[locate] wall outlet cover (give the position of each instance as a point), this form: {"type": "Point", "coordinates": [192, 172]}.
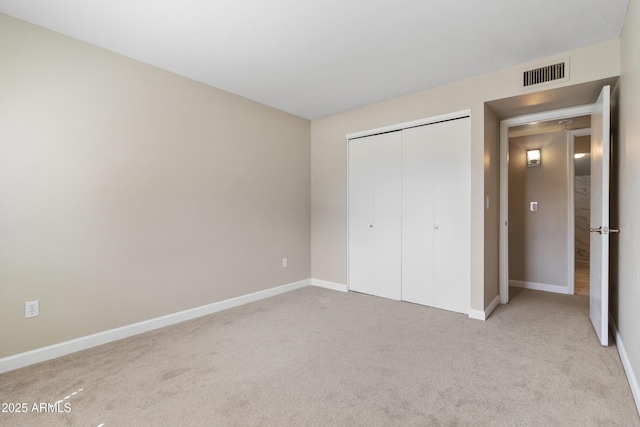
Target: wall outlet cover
{"type": "Point", "coordinates": [31, 309]}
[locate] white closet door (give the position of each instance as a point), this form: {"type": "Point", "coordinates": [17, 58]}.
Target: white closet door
{"type": "Point", "coordinates": [360, 214]}
{"type": "Point", "coordinates": [375, 215]}
{"type": "Point", "coordinates": [417, 215]}
{"type": "Point", "coordinates": [452, 146]}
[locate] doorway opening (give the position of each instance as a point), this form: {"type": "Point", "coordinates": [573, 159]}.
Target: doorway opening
{"type": "Point", "coordinates": [601, 137]}
{"type": "Point", "coordinates": [537, 271]}
{"type": "Point", "coordinates": [581, 141]}
{"type": "Point", "coordinates": [549, 205]}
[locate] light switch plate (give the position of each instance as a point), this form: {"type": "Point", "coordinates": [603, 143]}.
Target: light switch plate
{"type": "Point", "coordinates": [533, 206]}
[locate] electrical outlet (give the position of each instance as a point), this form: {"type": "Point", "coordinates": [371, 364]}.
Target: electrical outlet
{"type": "Point", "coordinates": [284, 263]}
{"type": "Point", "coordinates": [31, 309]}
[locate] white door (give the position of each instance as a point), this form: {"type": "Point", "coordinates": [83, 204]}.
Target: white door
{"type": "Point", "coordinates": [417, 215]}
{"type": "Point", "coordinates": [435, 215]}
{"type": "Point", "coordinates": [452, 218]}
{"type": "Point", "coordinates": [375, 215]}
{"type": "Point", "coordinates": [599, 258]}
{"type": "Point", "coordinates": [360, 214]}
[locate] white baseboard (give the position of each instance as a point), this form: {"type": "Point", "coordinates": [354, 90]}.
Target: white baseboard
{"type": "Point", "coordinates": [626, 363]}
{"type": "Point", "coordinates": [67, 347]}
{"type": "Point", "coordinates": [477, 314]}
{"type": "Point", "coordinates": [329, 285]}
{"type": "Point", "coordinates": [540, 286]}
{"type": "Point", "coordinates": [484, 315]}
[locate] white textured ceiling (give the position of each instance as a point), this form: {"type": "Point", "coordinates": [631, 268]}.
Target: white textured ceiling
{"type": "Point", "coordinates": [313, 58]}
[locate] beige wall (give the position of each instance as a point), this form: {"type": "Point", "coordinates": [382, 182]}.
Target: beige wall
{"type": "Point", "coordinates": [627, 289]}
{"type": "Point", "coordinates": [539, 241]}
{"type": "Point", "coordinates": [492, 205]}
{"type": "Point", "coordinates": [582, 144]}
{"type": "Point", "coordinates": [128, 192]}
{"type": "Point", "coordinates": [329, 165]}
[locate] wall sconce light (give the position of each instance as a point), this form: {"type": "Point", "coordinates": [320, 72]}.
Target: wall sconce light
{"type": "Point", "coordinates": [533, 158]}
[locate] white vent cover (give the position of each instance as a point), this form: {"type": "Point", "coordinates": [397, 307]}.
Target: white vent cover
{"type": "Point", "coordinates": [548, 74]}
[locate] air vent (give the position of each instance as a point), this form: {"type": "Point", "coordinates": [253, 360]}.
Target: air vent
{"type": "Point", "coordinates": [544, 74]}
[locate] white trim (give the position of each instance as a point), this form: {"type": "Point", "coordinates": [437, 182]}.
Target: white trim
{"type": "Point", "coordinates": [329, 285]}
{"type": "Point", "coordinates": [484, 315]}
{"type": "Point", "coordinates": [421, 122]}
{"type": "Point", "coordinates": [571, 220]}
{"type": "Point", "coordinates": [539, 286]}
{"type": "Point", "coordinates": [347, 243]}
{"type": "Point", "coordinates": [67, 347]}
{"type": "Point", "coordinates": [492, 306]}
{"type": "Point", "coordinates": [580, 132]}
{"type": "Point", "coordinates": [504, 180]}
{"type": "Point", "coordinates": [503, 258]}
{"type": "Point", "coordinates": [626, 363]}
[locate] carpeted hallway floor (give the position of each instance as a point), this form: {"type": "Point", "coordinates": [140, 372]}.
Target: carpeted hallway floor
{"type": "Point", "coordinates": [315, 357]}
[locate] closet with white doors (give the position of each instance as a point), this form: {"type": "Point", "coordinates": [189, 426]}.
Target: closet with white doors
{"type": "Point", "coordinates": [409, 212]}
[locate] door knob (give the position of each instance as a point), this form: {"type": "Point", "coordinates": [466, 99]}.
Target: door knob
{"type": "Point", "coordinates": [596, 230]}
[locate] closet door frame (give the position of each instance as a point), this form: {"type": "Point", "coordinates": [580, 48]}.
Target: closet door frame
{"type": "Point", "coordinates": [406, 125]}
{"type": "Point", "coordinates": [397, 127]}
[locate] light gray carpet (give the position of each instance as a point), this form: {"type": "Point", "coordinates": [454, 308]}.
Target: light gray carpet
{"type": "Point", "coordinates": [315, 357]}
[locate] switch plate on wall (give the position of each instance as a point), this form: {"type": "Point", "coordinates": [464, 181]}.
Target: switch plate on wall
{"type": "Point", "coordinates": [533, 206]}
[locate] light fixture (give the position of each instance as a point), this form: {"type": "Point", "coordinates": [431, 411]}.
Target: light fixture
{"type": "Point", "coordinates": [579, 155]}
{"type": "Point", "coordinates": [565, 123]}
{"type": "Point", "coordinates": [533, 158]}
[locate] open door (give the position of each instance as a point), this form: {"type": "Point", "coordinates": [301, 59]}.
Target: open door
{"type": "Point", "coordinates": [599, 257]}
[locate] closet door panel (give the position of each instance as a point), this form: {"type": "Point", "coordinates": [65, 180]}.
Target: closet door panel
{"type": "Point", "coordinates": [387, 177]}
{"type": "Point", "coordinates": [360, 214]}
{"type": "Point", "coordinates": [409, 215]}
{"type": "Point", "coordinates": [451, 214]}
{"type": "Point", "coordinates": [417, 215]}
{"type": "Point", "coordinates": [375, 215]}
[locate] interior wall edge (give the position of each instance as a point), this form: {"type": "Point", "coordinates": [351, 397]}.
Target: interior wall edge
{"type": "Point", "coordinates": [340, 287]}
{"type": "Point", "coordinates": [626, 363]}
{"type": "Point", "coordinates": [484, 314]}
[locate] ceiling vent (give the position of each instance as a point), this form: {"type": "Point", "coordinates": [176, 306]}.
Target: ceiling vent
{"type": "Point", "coordinates": [547, 74]}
